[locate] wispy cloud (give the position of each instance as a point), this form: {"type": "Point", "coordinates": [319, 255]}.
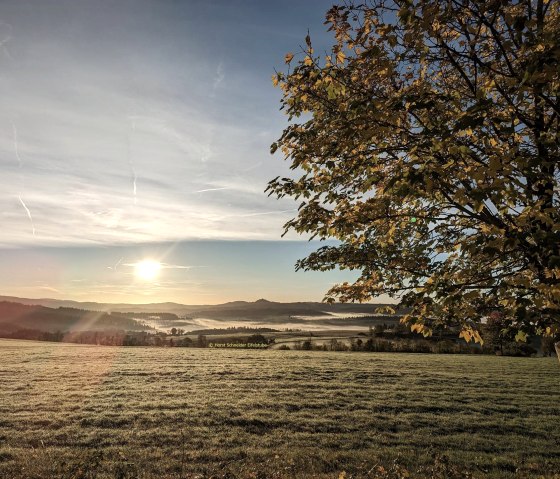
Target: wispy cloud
{"type": "Point", "coordinates": [130, 158]}
{"type": "Point", "coordinates": [16, 145]}
{"type": "Point", "coordinates": [50, 288]}
{"type": "Point", "coordinates": [162, 265]}
{"type": "Point", "coordinates": [178, 266]}
{"type": "Point", "coordinates": [5, 37]}
{"type": "Point", "coordinates": [123, 145]}
{"type": "Point", "coordinates": [218, 78]}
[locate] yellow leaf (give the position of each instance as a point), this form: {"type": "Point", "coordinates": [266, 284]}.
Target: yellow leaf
{"type": "Point", "coordinates": [308, 61]}
{"type": "Point", "coordinates": [521, 337]}
{"type": "Point", "coordinates": [477, 337]}
{"type": "Point", "coordinates": [466, 335]}
{"type": "Point", "coordinates": [417, 328]}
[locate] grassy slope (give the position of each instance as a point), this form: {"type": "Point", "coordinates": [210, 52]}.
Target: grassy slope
{"type": "Point", "coordinates": [153, 412]}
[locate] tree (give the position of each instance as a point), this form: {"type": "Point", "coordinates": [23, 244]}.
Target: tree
{"type": "Point", "coordinates": [547, 345]}
{"type": "Point", "coordinates": [257, 339]}
{"type": "Point", "coordinates": [201, 341]}
{"type": "Point", "coordinates": [378, 331]}
{"type": "Point", "coordinates": [426, 144]}
{"type": "Point", "coordinates": [496, 334]}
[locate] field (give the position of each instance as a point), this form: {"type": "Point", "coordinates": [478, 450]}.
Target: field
{"type": "Point", "coordinates": [85, 411]}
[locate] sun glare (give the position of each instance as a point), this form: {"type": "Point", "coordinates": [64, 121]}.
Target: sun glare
{"type": "Point", "coordinates": [147, 269]}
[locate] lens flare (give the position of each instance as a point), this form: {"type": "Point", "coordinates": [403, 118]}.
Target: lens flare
{"type": "Point", "coordinates": [147, 269]}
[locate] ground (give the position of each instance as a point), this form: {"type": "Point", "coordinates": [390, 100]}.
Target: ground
{"type": "Point", "coordinates": [87, 411]}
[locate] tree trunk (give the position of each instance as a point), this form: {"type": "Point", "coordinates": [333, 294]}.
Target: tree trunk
{"type": "Point", "coordinates": [557, 347]}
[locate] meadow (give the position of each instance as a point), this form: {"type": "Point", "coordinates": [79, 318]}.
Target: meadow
{"type": "Point", "coordinates": [78, 411]}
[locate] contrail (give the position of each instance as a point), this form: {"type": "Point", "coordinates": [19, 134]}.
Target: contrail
{"type": "Point", "coordinates": [218, 79]}
{"type": "Point", "coordinates": [6, 39]}
{"type": "Point", "coordinates": [253, 167]}
{"type": "Point", "coordinates": [114, 268]}
{"type": "Point", "coordinates": [266, 213]}
{"type": "Point", "coordinates": [213, 189]}
{"type": "Point", "coordinates": [28, 214]}
{"type": "Point", "coordinates": [16, 149]}
{"type": "Point", "coordinates": [16, 144]}
{"type": "Point", "coordinates": [262, 213]}
{"type": "Point", "coordinates": [132, 170]}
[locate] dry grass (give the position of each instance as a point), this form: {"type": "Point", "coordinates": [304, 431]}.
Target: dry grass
{"type": "Point", "coordinates": [85, 411]}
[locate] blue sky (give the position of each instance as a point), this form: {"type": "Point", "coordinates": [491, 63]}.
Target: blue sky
{"type": "Point", "coordinates": [127, 127]}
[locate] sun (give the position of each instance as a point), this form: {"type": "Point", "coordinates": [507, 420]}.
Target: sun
{"type": "Point", "coordinates": [147, 269]}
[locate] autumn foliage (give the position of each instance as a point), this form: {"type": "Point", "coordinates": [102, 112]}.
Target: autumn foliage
{"type": "Point", "coordinates": [426, 142]}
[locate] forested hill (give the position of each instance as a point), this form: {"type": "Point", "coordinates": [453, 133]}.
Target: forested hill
{"type": "Point", "coordinates": [247, 309]}
{"type": "Point", "coordinates": [267, 309]}
{"type": "Point", "coordinates": [16, 316]}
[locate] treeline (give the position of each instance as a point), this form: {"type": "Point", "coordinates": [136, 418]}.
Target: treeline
{"type": "Point", "coordinates": [401, 345]}
{"type": "Point", "coordinates": [400, 340]}
{"type": "Point", "coordinates": [376, 341]}
{"type": "Point", "coordinates": [160, 316]}
{"type": "Point", "coordinates": [128, 338]}
{"type": "Point", "coordinates": [380, 339]}
{"type": "Point", "coordinates": [372, 317]}
{"type": "Point", "coordinates": [380, 345]}
{"type": "Point", "coordinates": [234, 329]}
{"type": "Point", "coordinates": [104, 338]}
{"type": "Point", "coordinates": [101, 338]}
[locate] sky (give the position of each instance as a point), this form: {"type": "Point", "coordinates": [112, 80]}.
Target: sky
{"type": "Point", "coordinates": [141, 129]}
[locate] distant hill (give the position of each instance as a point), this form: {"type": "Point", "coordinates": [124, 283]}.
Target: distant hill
{"type": "Point", "coordinates": [17, 316]}
{"type": "Point", "coordinates": [236, 309]}
{"type": "Point", "coordinates": [269, 309]}
{"type": "Point", "coordinates": [173, 308]}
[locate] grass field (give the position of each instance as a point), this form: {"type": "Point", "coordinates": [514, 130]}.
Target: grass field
{"type": "Point", "coordinates": [86, 411]}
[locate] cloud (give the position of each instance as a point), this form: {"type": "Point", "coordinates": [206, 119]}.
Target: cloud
{"type": "Point", "coordinates": [5, 38]}
{"type": "Point", "coordinates": [163, 265]}
{"type": "Point", "coordinates": [178, 266]}
{"type": "Point", "coordinates": [50, 288]}
{"type": "Point", "coordinates": [90, 200]}
{"type": "Point", "coordinates": [117, 138]}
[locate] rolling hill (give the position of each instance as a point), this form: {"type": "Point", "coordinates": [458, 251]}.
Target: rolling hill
{"type": "Point", "coordinates": [17, 316]}
{"type": "Point", "coordinates": [235, 309]}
